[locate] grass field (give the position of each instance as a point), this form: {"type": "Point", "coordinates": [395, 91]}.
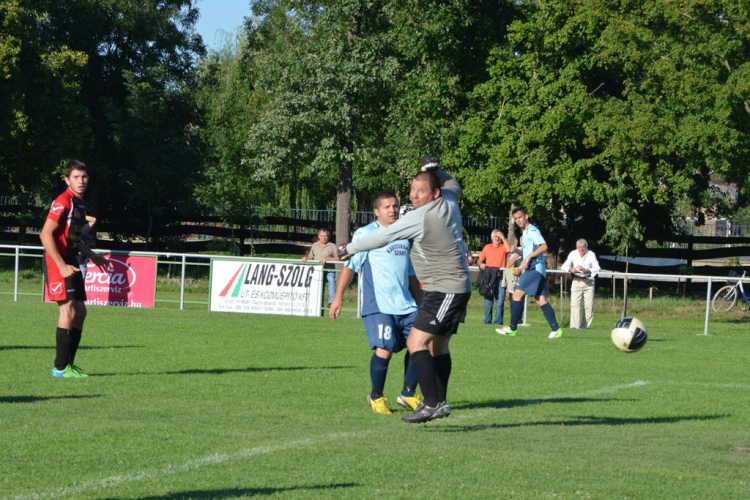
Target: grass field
{"type": "Point", "coordinates": [191, 404]}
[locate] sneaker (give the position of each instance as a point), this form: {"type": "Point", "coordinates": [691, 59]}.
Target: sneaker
{"type": "Point", "coordinates": [411, 402]}
{"type": "Point", "coordinates": [379, 406]}
{"type": "Point", "coordinates": [423, 414]}
{"type": "Point", "coordinates": [78, 370]}
{"type": "Point", "coordinates": [443, 410]}
{"type": "Point", "coordinates": [556, 334]}
{"type": "Point", "coordinates": [68, 372]}
{"type": "Point", "coordinates": [506, 331]}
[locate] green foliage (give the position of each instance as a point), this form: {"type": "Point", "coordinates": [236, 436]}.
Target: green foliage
{"type": "Point", "coordinates": [587, 94]}
{"type": "Point", "coordinates": [41, 117]}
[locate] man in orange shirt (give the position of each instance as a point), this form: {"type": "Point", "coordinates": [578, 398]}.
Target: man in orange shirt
{"type": "Point", "coordinates": [492, 258]}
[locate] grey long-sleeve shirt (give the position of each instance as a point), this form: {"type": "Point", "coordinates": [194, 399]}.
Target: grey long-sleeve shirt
{"type": "Point", "coordinates": [435, 230]}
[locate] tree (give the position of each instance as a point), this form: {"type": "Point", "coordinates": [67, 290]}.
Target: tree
{"type": "Point", "coordinates": [585, 88]}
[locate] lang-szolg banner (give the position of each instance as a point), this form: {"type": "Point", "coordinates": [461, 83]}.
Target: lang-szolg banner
{"type": "Point", "coordinates": [265, 288]}
{"type": "Point", "coordinates": [131, 283]}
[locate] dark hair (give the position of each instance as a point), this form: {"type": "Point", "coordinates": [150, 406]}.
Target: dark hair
{"type": "Point", "coordinates": [519, 208]}
{"type": "Point", "coordinates": [431, 178]}
{"type": "Point", "coordinates": [383, 195]}
{"type": "Point", "coordinates": [326, 230]}
{"type": "Point", "coordinates": [74, 165]}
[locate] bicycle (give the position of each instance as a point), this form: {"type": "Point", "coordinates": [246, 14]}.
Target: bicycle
{"type": "Point", "coordinates": [726, 297]}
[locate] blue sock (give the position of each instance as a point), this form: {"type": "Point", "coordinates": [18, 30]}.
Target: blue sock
{"type": "Point", "coordinates": [516, 311]}
{"type": "Point", "coordinates": [378, 372]}
{"type": "Point", "coordinates": [410, 377]}
{"type": "Point", "coordinates": [549, 315]}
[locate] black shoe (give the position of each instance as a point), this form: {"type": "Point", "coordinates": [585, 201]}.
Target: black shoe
{"type": "Point", "coordinates": [423, 414]}
{"type": "Point", "coordinates": [442, 410]}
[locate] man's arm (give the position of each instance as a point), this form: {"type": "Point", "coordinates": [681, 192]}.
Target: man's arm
{"type": "Point", "coordinates": [536, 253]}
{"type": "Point", "coordinates": [96, 258]}
{"type": "Point", "coordinates": [448, 183]}
{"type": "Point", "coordinates": [596, 268]}
{"type": "Point", "coordinates": [409, 227]}
{"type": "Point", "coordinates": [48, 242]}
{"type": "Point", "coordinates": [568, 264]}
{"type": "Point", "coordinates": [338, 300]}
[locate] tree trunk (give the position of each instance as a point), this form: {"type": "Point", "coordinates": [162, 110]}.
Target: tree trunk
{"type": "Point", "coordinates": [344, 201]}
{"type": "Point", "coordinates": [512, 228]}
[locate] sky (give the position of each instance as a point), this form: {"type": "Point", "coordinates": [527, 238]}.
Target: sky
{"type": "Point", "coordinates": [220, 15]}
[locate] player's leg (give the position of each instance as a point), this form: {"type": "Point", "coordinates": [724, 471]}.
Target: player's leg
{"type": "Point", "coordinates": [62, 291]}
{"type": "Point", "coordinates": [516, 308]}
{"type": "Point", "coordinates": [380, 329]}
{"type": "Point", "coordinates": [437, 319]}
{"type": "Point", "coordinates": [408, 397]}
{"type": "Point", "coordinates": [549, 313]}
{"type": "Point", "coordinates": [76, 331]}
{"type": "Point", "coordinates": [576, 293]}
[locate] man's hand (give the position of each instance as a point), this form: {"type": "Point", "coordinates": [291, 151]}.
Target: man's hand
{"type": "Point", "coordinates": [103, 264]}
{"type": "Point", "coordinates": [69, 270]}
{"type": "Point", "coordinates": [343, 254]}
{"type": "Point", "coordinates": [335, 310]}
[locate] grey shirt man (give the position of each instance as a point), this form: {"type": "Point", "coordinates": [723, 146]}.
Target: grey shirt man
{"type": "Point", "coordinates": [438, 249]}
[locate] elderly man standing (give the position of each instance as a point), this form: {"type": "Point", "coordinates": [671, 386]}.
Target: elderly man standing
{"type": "Point", "coordinates": [584, 267]}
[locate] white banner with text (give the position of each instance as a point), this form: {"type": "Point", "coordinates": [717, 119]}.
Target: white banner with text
{"type": "Point", "coordinates": [265, 288]}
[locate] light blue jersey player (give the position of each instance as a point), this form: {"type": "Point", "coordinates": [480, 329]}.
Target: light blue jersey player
{"type": "Point", "coordinates": [389, 285]}
{"type": "Point", "coordinates": [533, 277]}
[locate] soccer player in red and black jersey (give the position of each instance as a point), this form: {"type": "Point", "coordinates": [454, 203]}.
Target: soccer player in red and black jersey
{"type": "Point", "coordinates": [61, 237]}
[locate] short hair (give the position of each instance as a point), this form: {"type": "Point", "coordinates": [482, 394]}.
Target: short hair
{"type": "Point", "coordinates": [325, 230]}
{"type": "Point", "coordinates": [383, 195]}
{"type": "Point", "coordinates": [519, 208]}
{"type": "Point", "coordinates": [494, 232]}
{"type": "Point", "coordinates": [431, 178]}
{"type": "Point", "coordinates": [74, 165]}
{"type": "Point", "coordinates": [586, 244]}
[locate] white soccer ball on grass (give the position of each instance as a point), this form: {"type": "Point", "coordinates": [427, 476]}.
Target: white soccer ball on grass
{"type": "Point", "coordinates": [629, 334]}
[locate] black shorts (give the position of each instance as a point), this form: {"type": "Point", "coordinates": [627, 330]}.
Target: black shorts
{"type": "Point", "coordinates": [440, 313]}
{"type": "Point", "coordinates": [61, 289]}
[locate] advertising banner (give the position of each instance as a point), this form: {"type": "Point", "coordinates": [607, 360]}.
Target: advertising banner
{"type": "Point", "coordinates": [265, 288]}
{"type": "Point", "coordinates": [132, 282]}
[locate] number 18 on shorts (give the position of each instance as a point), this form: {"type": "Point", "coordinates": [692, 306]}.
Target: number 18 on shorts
{"type": "Point", "coordinates": [388, 331]}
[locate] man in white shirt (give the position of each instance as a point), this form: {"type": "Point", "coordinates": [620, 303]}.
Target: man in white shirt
{"type": "Point", "coordinates": [584, 267]}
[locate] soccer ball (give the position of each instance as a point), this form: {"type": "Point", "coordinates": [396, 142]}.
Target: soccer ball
{"type": "Point", "coordinates": [629, 334]}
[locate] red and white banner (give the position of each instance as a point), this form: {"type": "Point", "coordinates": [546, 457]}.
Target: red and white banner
{"type": "Point", "coordinates": [132, 282]}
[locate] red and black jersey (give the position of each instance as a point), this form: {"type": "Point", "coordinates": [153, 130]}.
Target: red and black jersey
{"type": "Point", "coordinates": [70, 213]}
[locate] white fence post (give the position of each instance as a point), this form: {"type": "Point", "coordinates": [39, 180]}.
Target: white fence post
{"type": "Point", "coordinates": [708, 306]}
{"type": "Point", "coordinates": [15, 276]}
{"type": "Point", "coordinates": [182, 285]}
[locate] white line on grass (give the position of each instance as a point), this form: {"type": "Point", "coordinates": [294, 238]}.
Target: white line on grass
{"type": "Point", "coordinates": [220, 458]}
{"type": "Point", "coordinates": [215, 459]}
{"type": "Point", "coordinates": [711, 385]}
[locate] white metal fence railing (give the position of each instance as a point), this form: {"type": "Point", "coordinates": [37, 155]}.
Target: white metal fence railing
{"type": "Point", "coordinates": [183, 261]}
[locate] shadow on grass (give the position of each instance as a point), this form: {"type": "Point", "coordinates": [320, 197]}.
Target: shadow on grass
{"type": "Point", "coordinates": [51, 347]}
{"type": "Point", "coordinates": [222, 371]}
{"type": "Point", "coordinates": [515, 403]}
{"type": "Point", "coordinates": [581, 421]}
{"type": "Point", "coordinates": [238, 492]}
{"type": "Point", "coordinates": [37, 399]}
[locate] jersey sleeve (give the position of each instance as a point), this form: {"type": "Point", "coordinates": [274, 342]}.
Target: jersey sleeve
{"type": "Point", "coordinates": [357, 261]}
{"type": "Point", "coordinates": [59, 209]}
{"type": "Point", "coordinates": [409, 227]}
{"type": "Point", "coordinates": [448, 184]}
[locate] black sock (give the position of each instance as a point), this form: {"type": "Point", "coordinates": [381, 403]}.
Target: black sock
{"type": "Point", "coordinates": [410, 377]}
{"type": "Point", "coordinates": [424, 364]}
{"type": "Point", "coordinates": [75, 340]}
{"type": "Point", "coordinates": [62, 344]}
{"type": "Point", "coordinates": [549, 315]}
{"type": "Point", "coordinates": [443, 364]}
